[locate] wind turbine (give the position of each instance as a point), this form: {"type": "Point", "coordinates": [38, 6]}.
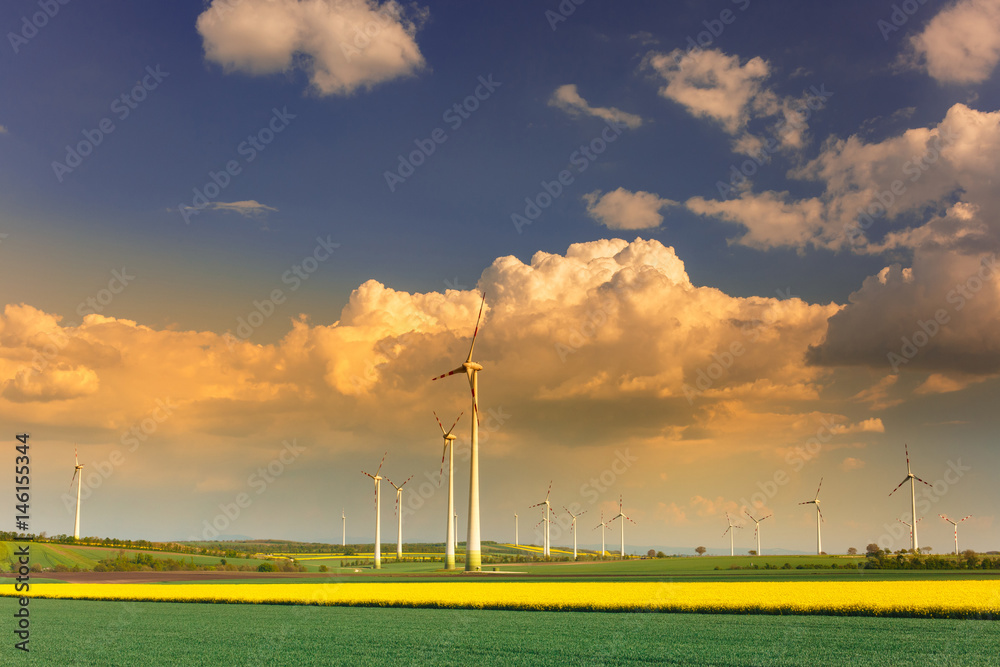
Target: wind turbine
{"type": "Point", "coordinates": [473, 550]}
{"type": "Point", "coordinates": [621, 515]}
{"type": "Point", "coordinates": [343, 519]}
{"type": "Point", "coordinates": [545, 520]}
{"type": "Point", "coordinates": [452, 529]}
{"type": "Point", "coordinates": [909, 525]}
{"type": "Point", "coordinates": [756, 530]}
{"type": "Point", "coordinates": [955, 523]}
{"type": "Point", "coordinates": [78, 476]}
{"type": "Point", "coordinates": [819, 517]}
{"type": "Point", "coordinates": [732, 544]}
{"type": "Point", "coordinates": [399, 516]}
{"type": "Point", "coordinates": [572, 527]}
{"type": "Point", "coordinates": [378, 518]}
{"type": "Point", "coordinates": [515, 530]}
{"type": "Point", "coordinates": [913, 494]}
{"type": "Point", "coordinates": [602, 525]}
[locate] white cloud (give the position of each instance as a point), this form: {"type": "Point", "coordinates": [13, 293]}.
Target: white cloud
{"type": "Point", "coordinates": [711, 84]}
{"type": "Point", "coordinates": [3, 129]}
{"type": "Point", "coordinates": [937, 181]}
{"type": "Point", "coordinates": [568, 99]}
{"type": "Point", "coordinates": [342, 45]}
{"type": "Point", "coordinates": [248, 209]}
{"type": "Point", "coordinates": [851, 463]}
{"type": "Point", "coordinates": [621, 209]}
{"type": "Point", "coordinates": [962, 43]}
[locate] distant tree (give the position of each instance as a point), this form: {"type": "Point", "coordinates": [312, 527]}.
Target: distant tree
{"type": "Point", "coordinates": [822, 553]}
{"type": "Point", "coordinates": [267, 567]}
{"type": "Point", "coordinates": [927, 550]}
{"type": "Point", "coordinates": [651, 553]}
{"type": "Point", "coordinates": [700, 550]}
{"type": "Point", "coordinates": [753, 552]}
{"type": "Point", "coordinates": [660, 554]}
{"type": "Point", "coordinates": [872, 550]}
{"type": "Point", "coordinates": [323, 568]}
{"type": "Point", "coordinates": [852, 552]}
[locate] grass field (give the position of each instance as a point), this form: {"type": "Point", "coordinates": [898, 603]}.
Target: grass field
{"type": "Point", "coordinates": [133, 633]}
{"type": "Point", "coordinates": [49, 555]}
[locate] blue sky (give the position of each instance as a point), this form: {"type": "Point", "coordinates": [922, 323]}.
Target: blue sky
{"type": "Point", "coordinates": [775, 250]}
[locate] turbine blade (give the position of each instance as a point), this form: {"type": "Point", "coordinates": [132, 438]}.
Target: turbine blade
{"type": "Point", "coordinates": [380, 463]}
{"type": "Point", "coordinates": [751, 516]}
{"type": "Point", "coordinates": [76, 455]}
{"type": "Point", "coordinates": [460, 369]}
{"type": "Point", "coordinates": [821, 517]}
{"type": "Point", "coordinates": [920, 480]}
{"type": "Point", "coordinates": [582, 513]}
{"type": "Point", "coordinates": [767, 517]}
{"type": "Point", "coordinates": [819, 487]}
{"type": "Point", "coordinates": [407, 480]}
{"type": "Point", "coordinates": [444, 451]}
{"type": "Point", "coordinates": [968, 517]}
{"type": "Point", "coordinates": [75, 471]}
{"type": "Point", "coordinates": [549, 491]}
{"type": "Point", "coordinates": [906, 449]}
{"type": "Point", "coordinates": [476, 332]}
{"type": "Point", "coordinates": [900, 484]}
{"type": "Point", "coordinates": [455, 424]}
{"type": "Point", "coordinates": [439, 423]}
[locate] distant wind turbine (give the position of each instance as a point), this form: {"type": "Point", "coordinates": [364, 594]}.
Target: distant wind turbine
{"type": "Point", "coordinates": [603, 525]}
{"type": "Point", "coordinates": [732, 533]}
{"type": "Point", "coordinates": [621, 515]}
{"type": "Point", "coordinates": [473, 548]}
{"type": "Point", "coordinates": [913, 494]}
{"type": "Point", "coordinates": [78, 477]}
{"type": "Point", "coordinates": [910, 525]}
{"type": "Point", "coordinates": [819, 517]}
{"type": "Point", "coordinates": [378, 518]}
{"type": "Point", "coordinates": [955, 523]}
{"type": "Point", "coordinates": [572, 527]}
{"type": "Point", "coordinates": [515, 530]}
{"type": "Point", "coordinates": [399, 516]}
{"type": "Point", "coordinates": [452, 529]}
{"type": "Point", "coordinates": [343, 519]}
{"type": "Point", "coordinates": [545, 520]}
{"type": "Point", "coordinates": [756, 529]}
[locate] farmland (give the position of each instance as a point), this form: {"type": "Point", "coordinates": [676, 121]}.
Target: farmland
{"type": "Point", "coordinates": [128, 633]}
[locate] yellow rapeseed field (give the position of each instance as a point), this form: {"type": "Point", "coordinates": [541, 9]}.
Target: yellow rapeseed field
{"type": "Point", "coordinates": [928, 599]}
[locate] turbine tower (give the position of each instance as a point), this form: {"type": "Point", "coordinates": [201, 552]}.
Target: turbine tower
{"type": "Point", "coordinates": [910, 525]}
{"type": "Point", "coordinates": [732, 533]}
{"type": "Point", "coordinates": [913, 494]}
{"type": "Point", "coordinates": [378, 519]}
{"type": "Point", "coordinates": [621, 515]}
{"type": "Point", "coordinates": [515, 530]}
{"type": "Point", "coordinates": [602, 525]}
{"type": "Point", "coordinates": [78, 477]}
{"type": "Point", "coordinates": [955, 523]}
{"type": "Point", "coordinates": [819, 517]}
{"type": "Point", "coordinates": [756, 530]}
{"type": "Point", "coordinates": [473, 550]}
{"type": "Point", "coordinates": [399, 517]}
{"type": "Point", "coordinates": [452, 530]}
{"type": "Point", "coordinates": [545, 520]}
{"type": "Point", "coordinates": [343, 520]}
{"type": "Point", "coordinates": [572, 527]}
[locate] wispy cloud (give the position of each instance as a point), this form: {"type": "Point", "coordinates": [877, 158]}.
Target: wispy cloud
{"type": "Point", "coordinates": [568, 99]}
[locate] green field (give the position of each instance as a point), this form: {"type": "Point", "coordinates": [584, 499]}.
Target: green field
{"type": "Point", "coordinates": [48, 555]}
{"type": "Point", "coordinates": [131, 633]}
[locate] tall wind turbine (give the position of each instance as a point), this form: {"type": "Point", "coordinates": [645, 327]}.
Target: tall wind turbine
{"type": "Point", "coordinates": [732, 533]}
{"type": "Point", "coordinates": [473, 550]}
{"type": "Point", "coordinates": [955, 523]}
{"type": "Point", "coordinates": [515, 530]}
{"type": "Point", "coordinates": [78, 476]}
{"type": "Point", "coordinates": [621, 515]}
{"type": "Point", "coordinates": [756, 530]}
{"type": "Point", "coordinates": [910, 525]}
{"type": "Point", "coordinates": [913, 494]}
{"type": "Point", "coordinates": [819, 517]}
{"type": "Point", "coordinates": [602, 525]}
{"type": "Point", "coordinates": [343, 519]}
{"type": "Point", "coordinates": [378, 518]}
{"type": "Point", "coordinates": [452, 530]}
{"type": "Point", "coordinates": [399, 516]}
{"type": "Point", "coordinates": [545, 520]}
{"type": "Point", "coordinates": [572, 527]}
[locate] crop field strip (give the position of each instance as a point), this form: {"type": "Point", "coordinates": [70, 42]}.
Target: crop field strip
{"type": "Point", "coordinates": [128, 633]}
{"type": "Point", "coordinates": [917, 599]}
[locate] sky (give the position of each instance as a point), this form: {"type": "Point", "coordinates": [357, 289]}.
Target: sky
{"type": "Point", "coordinates": [728, 249]}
